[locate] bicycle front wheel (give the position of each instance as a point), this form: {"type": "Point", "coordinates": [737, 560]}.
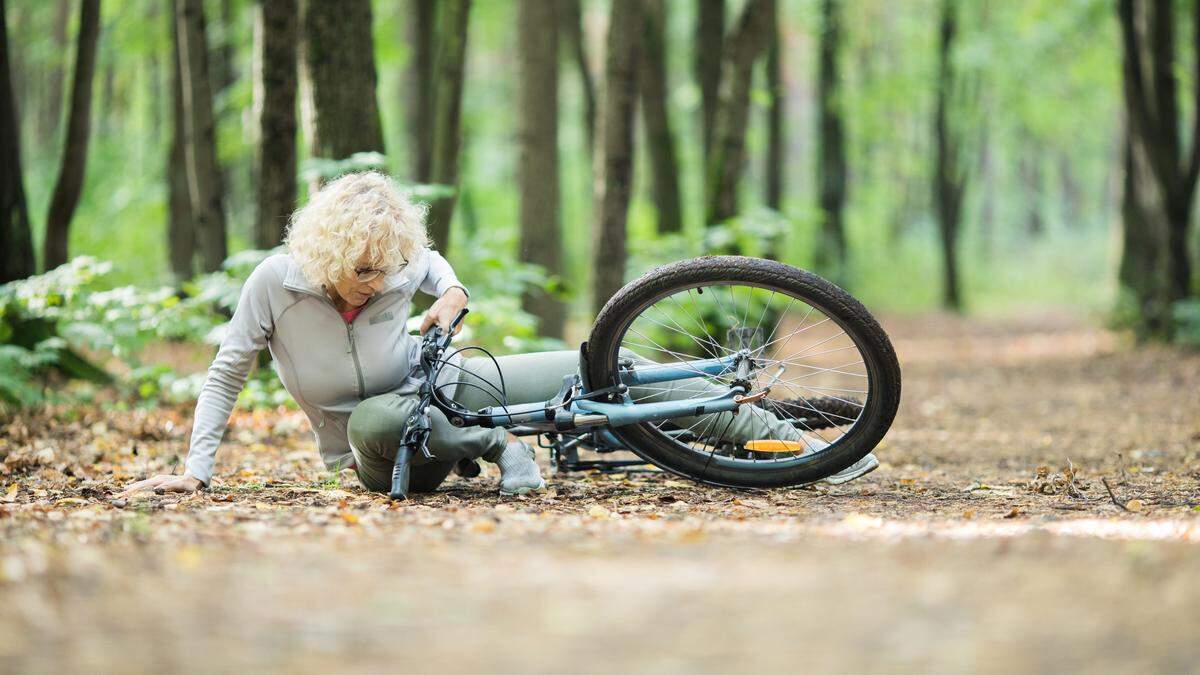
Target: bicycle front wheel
{"type": "Point", "coordinates": [831, 374]}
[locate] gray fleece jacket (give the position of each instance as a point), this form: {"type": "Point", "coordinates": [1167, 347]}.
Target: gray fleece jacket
{"type": "Point", "coordinates": [326, 364]}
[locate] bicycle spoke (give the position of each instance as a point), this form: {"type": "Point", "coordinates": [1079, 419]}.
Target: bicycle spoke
{"type": "Point", "coordinates": [702, 325]}
{"type": "Point", "coordinates": [677, 330]}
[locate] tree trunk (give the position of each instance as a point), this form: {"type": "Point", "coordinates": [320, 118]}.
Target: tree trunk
{"type": "Point", "coordinates": [52, 102]}
{"type": "Point", "coordinates": [949, 180]}
{"type": "Point", "coordinates": [112, 112]}
{"type": "Point", "coordinates": [1154, 134]}
{"type": "Point", "coordinates": [223, 72]}
{"type": "Point", "coordinates": [74, 158]}
{"type": "Point", "coordinates": [181, 227]}
{"type": "Point", "coordinates": [571, 17]}
{"type": "Point", "coordinates": [987, 180]}
{"type": "Point", "coordinates": [154, 72]}
{"type": "Point", "coordinates": [339, 55]}
{"type": "Point", "coordinates": [199, 147]}
{"type": "Point", "coordinates": [419, 97]}
{"type": "Point", "coordinates": [660, 143]}
{"type": "Point", "coordinates": [775, 110]}
{"type": "Point", "coordinates": [614, 157]}
{"type": "Point", "coordinates": [948, 187]}
{"type": "Point", "coordinates": [726, 162]}
{"type": "Point", "coordinates": [16, 243]}
{"type": "Point", "coordinates": [277, 120]}
{"type": "Point", "coordinates": [537, 166]}
{"type": "Point", "coordinates": [1030, 168]}
{"type": "Point", "coordinates": [449, 73]}
{"type": "Point", "coordinates": [1142, 273]}
{"type": "Point", "coordinates": [1072, 197]}
{"type": "Point", "coordinates": [831, 150]}
{"type": "Point", "coordinates": [709, 42]}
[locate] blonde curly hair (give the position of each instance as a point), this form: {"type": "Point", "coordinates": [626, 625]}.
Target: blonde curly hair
{"type": "Point", "coordinates": [359, 213]}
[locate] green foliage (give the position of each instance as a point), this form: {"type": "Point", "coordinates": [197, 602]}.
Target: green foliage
{"type": "Point", "coordinates": [47, 319]}
{"type": "Point", "coordinates": [756, 232]}
{"type": "Point", "coordinates": [324, 169]}
{"type": "Point", "coordinates": [18, 370]}
{"type": "Point", "coordinates": [1186, 315]}
{"type": "Point", "coordinates": [496, 320]}
{"type": "Point", "coordinates": [119, 320]}
{"type": "Point", "coordinates": [759, 232]}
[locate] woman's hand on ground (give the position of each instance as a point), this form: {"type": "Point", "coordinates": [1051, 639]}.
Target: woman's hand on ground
{"type": "Point", "coordinates": [163, 483]}
{"type": "Point", "coordinates": [445, 310]}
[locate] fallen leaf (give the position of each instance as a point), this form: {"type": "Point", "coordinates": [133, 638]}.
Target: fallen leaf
{"type": "Point", "coordinates": [599, 512]}
{"type": "Point", "coordinates": [349, 517]}
{"type": "Point", "coordinates": [1135, 505]}
{"type": "Point", "coordinates": [188, 557]}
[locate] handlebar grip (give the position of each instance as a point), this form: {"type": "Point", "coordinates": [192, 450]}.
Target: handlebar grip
{"type": "Point", "coordinates": [401, 472]}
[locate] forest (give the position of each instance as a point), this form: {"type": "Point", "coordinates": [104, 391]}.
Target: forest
{"type": "Point", "coordinates": [1004, 155]}
{"type": "Point", "coordinates": [1008, 185]}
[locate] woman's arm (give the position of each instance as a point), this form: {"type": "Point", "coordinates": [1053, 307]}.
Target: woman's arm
{"type": "Point", "coordinates": [441, 282]}
{"type": "Point", "coordinates": [246, 335]}
{"type": "Point", "coordinates": [440, 277]}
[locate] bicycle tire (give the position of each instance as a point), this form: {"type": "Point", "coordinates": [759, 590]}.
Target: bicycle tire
{"type": "Point", "coordinates": [882, 367]}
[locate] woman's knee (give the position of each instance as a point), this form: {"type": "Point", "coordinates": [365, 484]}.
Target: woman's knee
{"type": "Point", "coordinates": [377, 423]}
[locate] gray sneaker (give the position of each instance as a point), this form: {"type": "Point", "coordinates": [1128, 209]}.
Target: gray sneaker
{"type": "Point", "coordinates": [858, 469]}
{"type": "Point", "coordinates": [519, 474]}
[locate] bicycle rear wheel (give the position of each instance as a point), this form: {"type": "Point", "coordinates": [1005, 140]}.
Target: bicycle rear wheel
{"type": "Point", "coordinates": [833, 377]}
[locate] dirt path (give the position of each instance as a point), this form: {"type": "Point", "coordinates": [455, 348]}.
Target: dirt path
{"type": "Point", "coordinates": [987, 541]}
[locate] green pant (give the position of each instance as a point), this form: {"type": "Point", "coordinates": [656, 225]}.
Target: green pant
{"type": "Point", "coordinates": [377, 424]}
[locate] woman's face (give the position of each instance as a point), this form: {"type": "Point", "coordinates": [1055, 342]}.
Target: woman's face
{"type": "Point", "coordinates": [355, 292]}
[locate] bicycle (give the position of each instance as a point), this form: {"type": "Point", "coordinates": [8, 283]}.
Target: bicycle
{"type": "Point", "coordinates": [684, 354]}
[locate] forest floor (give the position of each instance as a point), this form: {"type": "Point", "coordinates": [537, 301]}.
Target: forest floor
{"type": "Point", "coordinates": [987, 541]}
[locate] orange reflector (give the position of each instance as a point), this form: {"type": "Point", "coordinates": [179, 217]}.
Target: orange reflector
{"type": "Point", "coordinates": [774, 446]}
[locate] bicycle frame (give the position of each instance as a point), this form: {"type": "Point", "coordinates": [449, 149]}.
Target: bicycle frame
{"type": "Point", "coordinates": [584, 412]}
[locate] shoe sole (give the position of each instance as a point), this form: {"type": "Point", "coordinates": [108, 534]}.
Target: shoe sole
{"type": "Point", "coordinates": [837, 479]}
{"type": "Point", "coordinates": [524, 490]}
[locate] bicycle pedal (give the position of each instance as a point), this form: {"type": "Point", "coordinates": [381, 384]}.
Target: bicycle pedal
{"type": "Point", "coordinates": [771, 445]}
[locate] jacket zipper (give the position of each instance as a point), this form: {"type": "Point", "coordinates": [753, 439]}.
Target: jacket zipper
{"type": "Point", "coordinates": [362, 386]}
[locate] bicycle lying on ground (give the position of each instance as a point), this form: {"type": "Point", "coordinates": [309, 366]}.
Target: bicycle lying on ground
{"type": "Point", "coordinates": [731, 371]}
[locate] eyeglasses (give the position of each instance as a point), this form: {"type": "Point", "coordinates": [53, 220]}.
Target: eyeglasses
{"type": "Point", "coordinates": [366, 275]}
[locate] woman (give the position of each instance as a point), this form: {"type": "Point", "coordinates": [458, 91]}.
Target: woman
{"type": "Point", "coordinates": [333, 310]}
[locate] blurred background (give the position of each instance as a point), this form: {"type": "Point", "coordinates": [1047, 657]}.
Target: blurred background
{"type": "Point", "coordinates": [997, 158]}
